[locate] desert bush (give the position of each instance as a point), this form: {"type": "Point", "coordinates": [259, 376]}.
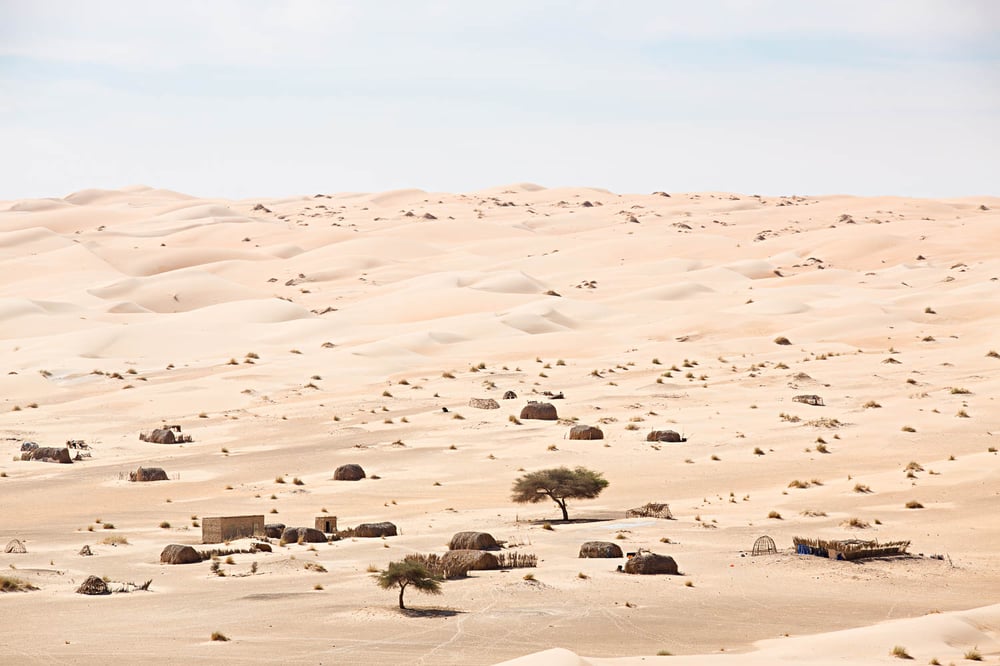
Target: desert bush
{"type": "Point", "coordinates": [219, 636]}
{"type": "Point", "coordinates": [899, 652]}
{"type": "Point", "coordinates": [913, 504]}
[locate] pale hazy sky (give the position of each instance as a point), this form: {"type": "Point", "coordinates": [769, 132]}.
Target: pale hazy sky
{"type": "Point", "coordinates": [260, 98]}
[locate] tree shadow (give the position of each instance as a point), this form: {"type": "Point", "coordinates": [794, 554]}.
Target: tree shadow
{"type": "Point", "coordinates": [430, 612]}
{"type": "Point", "coordinates": [574, 521]}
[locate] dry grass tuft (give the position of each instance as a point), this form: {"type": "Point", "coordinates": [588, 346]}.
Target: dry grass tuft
{"type": "Point", "coordinates": [899, 652]}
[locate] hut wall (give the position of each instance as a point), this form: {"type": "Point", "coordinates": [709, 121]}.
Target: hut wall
{"type": "Point", "coordinates": [326, 524]}
{"type": "Point", "coordinates": [226, 528]}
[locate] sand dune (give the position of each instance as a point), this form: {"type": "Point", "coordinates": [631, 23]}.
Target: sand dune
{"type": "Point", "coordinates": [292, 335]}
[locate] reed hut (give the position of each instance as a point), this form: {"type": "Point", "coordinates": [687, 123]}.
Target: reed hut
{"type": "Point", "coordinates": [93, 585]}
{"type": "Point", "coordinates": [274, 530]}
{"type": "Point", "coordinates": [648, 563]}
{"type": "Point", "coordinates": [302, 535]}
{"type": "Point", "coordinates": [175, 553]}
{"type": "Point", "coordinates": [14, 546]}
{"type": "Point", "coordinates": [473, 541]}
{"type": "Point", "coordinates": [651, 510]}
{"type": "Point", "coordinates": [665, 436]}
{"type": "Point", "coordinates": [48, 454]}
{"type": "Point", "coordinates": [509, 395]}
{"type": "Point", "coordinates": [349, 472]}
{"type": "Point", "coordinates": [370, 530]}
{"type": "Point", "coordinates": [849, 549]}
{"type": "Point", "coordinates": [470, 560]}
{"type": "Point", "coordinates": [604, 549]}
{"type": "Point", "coordinates": [539, 411]}
{"type": "Point", "coordinates": [484, 403]}
{"type": "Point", "coordinates": [585, 432]}
{"type": "Point", "coordinates": [148, 474]}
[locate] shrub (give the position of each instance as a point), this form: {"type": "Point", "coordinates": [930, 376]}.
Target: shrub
{"type": "Point", "coordinates": [908, 429]}
{"type": "Point", "coordinates": [899, 652]}
{"type": "Point", "coordinates": [871, 404]}
{"type": "Point", "coordinates": [861, 488]}
{"type": "Point", "coordinates": [913, 504]}
{"type": "Point", "coordinates": [165, 525]}
{"type": "Point", "coordinates": [219, 636]}
{"type": "Point", "coordinates": [775, 515]}
{"type": "Point", "coordinates": [973, 655]}
{"type": "Point", "coordinates": [10, 584]}
{"type": "Point", "coordinates": [782, 340]}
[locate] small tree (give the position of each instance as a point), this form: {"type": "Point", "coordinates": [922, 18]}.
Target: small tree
{"type": "Point", "coordinates": [558, 484]}
{"type": "Point", "coordinates": [406, 573]}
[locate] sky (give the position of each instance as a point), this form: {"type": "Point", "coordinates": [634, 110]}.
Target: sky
{"type": "Point", "coordinates": [258, 98]}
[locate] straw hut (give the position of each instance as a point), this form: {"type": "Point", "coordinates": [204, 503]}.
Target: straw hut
{"type": "Point", "coordinates": [48, 454]}
{"type": "Point", "coordinates": [165, 435]}
{"type": "Point", "coordinates": [375, 530]}
{"type": "Point", "coordinates": [470, 560]}
{"type": "Point", "coordinates": [664, 436]}
{"type": "Point", "coordinates": [302, 535]}
{"type": "Point", "coordinates": [600, 549]}
{"type": "Point", "coordinates": [16, 547]}
{"type": "Point", "coordinates": [651, 563]}
{"type": "Point", "coordinates": [540, 411]}
{"type": "Point", "coordinates": [274, 530]}
{"type": "Point", "coordinates": [177, 554]}
{"type": "Point", "coordinates": [148, 474]}
{"type": "Point", "coordinates": [93, 585]}
{"type": "Point", "coordinates": [484, 403]}
{"type": "Point", "coordinates": [349, 472]}
{"type": "Point", "coordinates": [509, 395]}
{"type": "Point", "coordinates": [651, 510]}
{"type": "Point", "coordinates": [473, 541]}
{"type": "Point", "coordinates": [585, 432]}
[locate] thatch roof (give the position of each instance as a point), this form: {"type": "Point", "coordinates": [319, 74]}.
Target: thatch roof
{"type": "Point", "coordinates": [664, 436]}
{"type": "Point", "coordinates": [484, 403]}
{"type": "Point", "coordinates": [148, 474]}
{"type": "Point", "coordinates": [585, 432]}
{"type": "Point", "coordinates": [509, 395]}
{"type": "Point", "coordinates": [274, 530]}
{"type": "Point", "coordinates": [349, 472]}
{"type": "Point", "coordinates": [302, 535]}
{"type": "Point", "coordinates": [600, 549]}
{"type": "Point", "coordinates": [177, 554]}
{"type": "Point", "coordinates": [651, 563]}
{"type": "Point", "coordinates": [48, 454]}
{"type": "Point", "coordinates": [375, 530]}
{"type": "Point", "coordinates": [15, 546]}
{"type": "Point", "coordinates": [541, 411]}
{"type": "Point", "coordinates": [93, 585]}
{"type": "Point", "coordinates": [473, 541]}
{"type": "Point", "coordinates": [471, 560]}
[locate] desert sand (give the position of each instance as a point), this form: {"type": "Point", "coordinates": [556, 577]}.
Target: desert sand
{"type": "Point", "coordinates": [291, 336]}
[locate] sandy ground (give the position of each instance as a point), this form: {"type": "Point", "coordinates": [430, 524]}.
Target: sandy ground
{"type": "Point", "coordinates": [292, 336]}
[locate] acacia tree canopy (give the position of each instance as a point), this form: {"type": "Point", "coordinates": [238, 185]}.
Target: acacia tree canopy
{"type": "Point", "coordinates": [558, 484]}
{"type": "Point", "coordinates": [406, 573]}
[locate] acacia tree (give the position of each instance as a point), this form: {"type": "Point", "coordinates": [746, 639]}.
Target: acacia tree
{"type": "Point", "coordinates": [558, 484]}
{"type": "Point", "coordinates": [406, 573]}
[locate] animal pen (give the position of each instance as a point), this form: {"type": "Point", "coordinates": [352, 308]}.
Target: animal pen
{"type": "Point", "coordinates": [849, 549]}
{"type": "Point", "coordinates": [226, 528]}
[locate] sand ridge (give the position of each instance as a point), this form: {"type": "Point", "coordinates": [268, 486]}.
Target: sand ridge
{"type": "Point", "coordinates": [292, 335]}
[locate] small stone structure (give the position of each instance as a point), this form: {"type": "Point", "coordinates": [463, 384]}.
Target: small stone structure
{"type": "Point", "coordinates": [585, 432]}
{"type": "Point", "coordinates": [217, 529]}
{"type": "Point", "coordinates": [48, 454]}
{"type": "Point", "coordinates": [326, 524]}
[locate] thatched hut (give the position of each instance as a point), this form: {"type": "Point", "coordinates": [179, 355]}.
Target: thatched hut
{"type": "Point", "coordinates": [369, 530]}
{"type": "Point", "coordinates": [585, 432]}
{"type": "Point", "coordinates": [651, 510]}
{"type": "Point", "coordinates": [166, 435]}
{"type": "Point", "coordinates": [349, 472]}
{"type": "Point", "coordinates": [48, 454]}
{"type": "Point", "coordinates": [484, 403]}
{"type": "Point", "coordinates": [148, 474]}
{"type": "Point", "coordinates": [651, 563]}
{"type": "Point", "coordinates": [600, 549]}
{"type": "Point", "coordinates": [175, 553]}
{"type": "Point", "coordinates": [274, 530]}
{"type": "Point", "coordinates": [471, 560]}
{"type": "Point", "coordinates": [473, 541]}
{"type": "Point", "coordinates": [15, 546]}
{"type": "Point", "coordinates": [93, 585]}
{"type": "Point", "coordinates": [302, 535]}
{"type": "Point", "coordinates": [540, 411]}
{"type": "Point", "coordinates": [664, 436]}
{"type": "Point", "coordinates": [509, 395]}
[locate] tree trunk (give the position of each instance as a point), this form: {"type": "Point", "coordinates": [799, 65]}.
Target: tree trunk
{"type": "Point", "coordinates": [401, 588]}
{"type": "Point", "coordinates": [562, 505]}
